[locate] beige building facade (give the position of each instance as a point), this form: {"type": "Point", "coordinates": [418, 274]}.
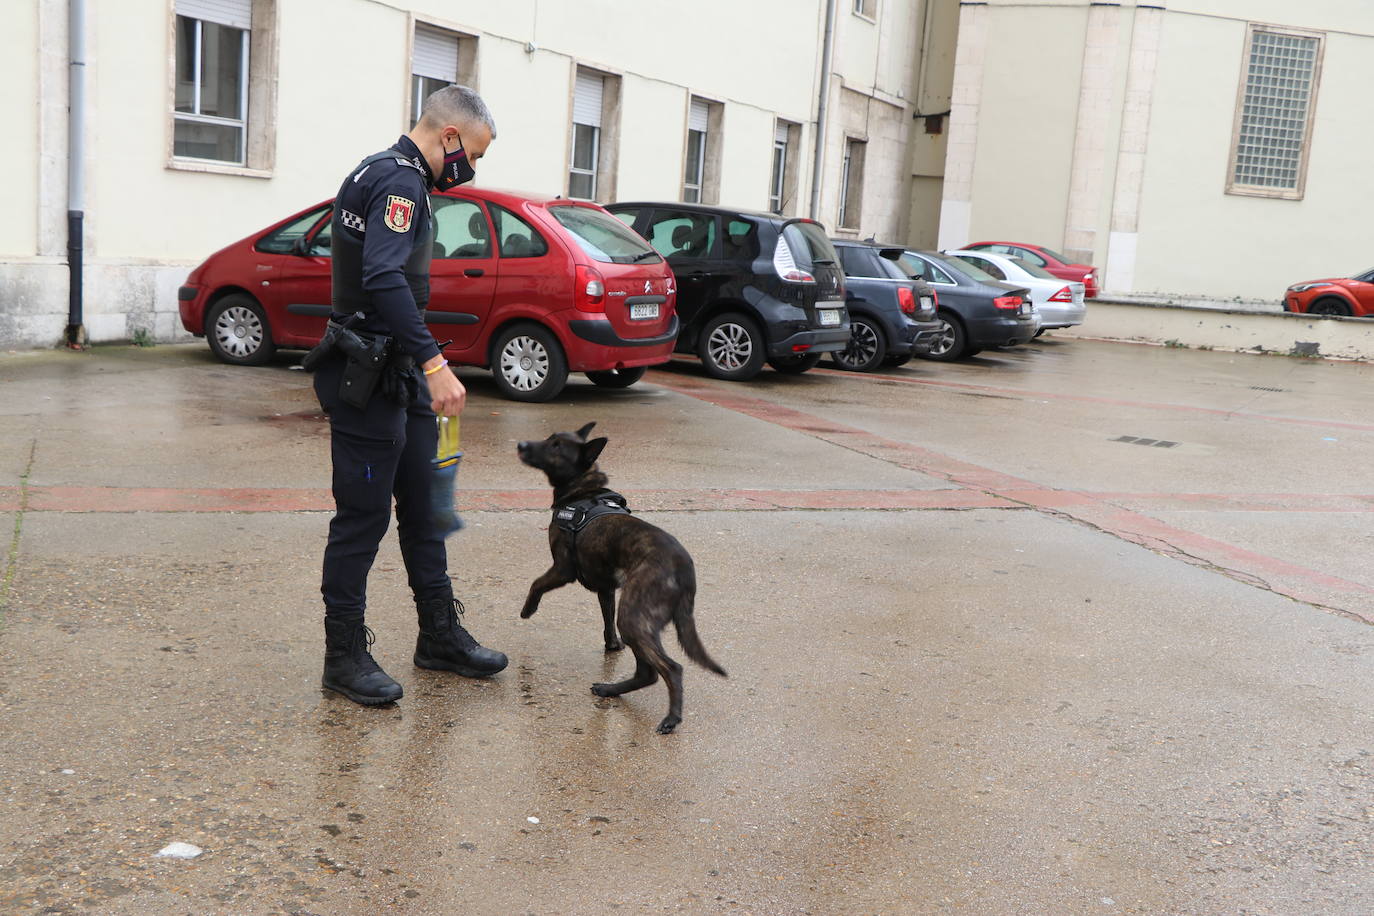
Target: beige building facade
{"type": "Point", "coordinates": [208, 119]}
{"type": "Point", "coordinates": [1194, 150]}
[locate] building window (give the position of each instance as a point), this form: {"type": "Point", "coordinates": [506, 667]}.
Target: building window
{"type": "Point", "coordinates": [866, 8]}
{"type": "Point", "coordinates": [589, 91]}
{"type": "Point", "coordinates": [852, 183]}
{"type": "Point", "coordinates": [210, 119]}
{"type": "Point", "coordinates": [1274, 124]}
{"type": "Point", "coordinates": [439, 58]}
{"type": "Point", "coordinates": [782, 184]}
{"type": "Point", "coordinates": [701, 173]}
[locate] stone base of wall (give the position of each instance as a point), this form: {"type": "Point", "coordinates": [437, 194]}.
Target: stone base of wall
{"type": "Point", "coordinates": [119, 300]}
{"type": "Point", "coordinates": [1218, 329]}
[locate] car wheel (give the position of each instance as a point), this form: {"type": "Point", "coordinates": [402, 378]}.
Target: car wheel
{"type": "Point", "coordinates": [867, 347]}
{"type": "Point", "coordinates": [795, 365]}
{"type": "Point", "coordinates": [237, 330]}
{"type": "Point", "coordinates": [528, 364]}
{"type": "Point", "coordinates": [1328, 306]}
{"type": "Point", "coordinates": [731, 348]}
{"type": "Point", "coordinates": [616, 378]}
{"type": "Point", "coordinates": [892, 362]}
{"type": "Point", "coordinates": [951, 342]}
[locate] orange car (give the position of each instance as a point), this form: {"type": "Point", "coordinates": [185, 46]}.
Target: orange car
{"type": "Point", "coordinates": [1338, 296]}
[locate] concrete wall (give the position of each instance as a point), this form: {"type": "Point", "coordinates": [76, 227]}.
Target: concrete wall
{"type": "Point", "coordinates": [151, 217]}
{"type": "Point", "coordinates": [1106, 131]}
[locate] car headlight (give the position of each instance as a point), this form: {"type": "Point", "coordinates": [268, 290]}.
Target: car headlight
{"type": "Point", "coordinates": [1304, 287]}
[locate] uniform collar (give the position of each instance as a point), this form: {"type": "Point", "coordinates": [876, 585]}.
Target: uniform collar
{"type": "Point", "coordinates": [407, 148]}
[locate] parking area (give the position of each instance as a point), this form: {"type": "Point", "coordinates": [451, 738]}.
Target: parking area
{"type": "Point", "coordinates": [1072, 628]}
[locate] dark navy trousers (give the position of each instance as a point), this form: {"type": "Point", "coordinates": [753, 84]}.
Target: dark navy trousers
{"type": "Point", "coordinates": [380, 453]}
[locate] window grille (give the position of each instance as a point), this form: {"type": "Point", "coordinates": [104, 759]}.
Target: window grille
{"type": "Point", "coordinates": [1272, 135]}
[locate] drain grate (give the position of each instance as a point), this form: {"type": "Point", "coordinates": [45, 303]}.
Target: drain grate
{"type": "Point", "coordinates": [1154, 443]}
{"type": "Point", "coordinates": [1263, 388]}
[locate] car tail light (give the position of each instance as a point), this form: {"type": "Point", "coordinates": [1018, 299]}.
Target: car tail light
{"type": "Point", "coordinates": [1064, 295]}
{"type": "Point", "coordinates": [906, 301]}
{"type": "Point", "coordinates": [786, 265]}
{"type": "Point", "coordinates": [1007, 302]}
{"type": "Point", "coordinates": [589, 294]}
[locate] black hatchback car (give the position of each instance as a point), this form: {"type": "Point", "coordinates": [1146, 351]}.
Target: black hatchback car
{"type": "Point", "coordinates": [976, 311]}
{"type": "Point", "coordinates": [751, 287]}
{"type": "Point", "coordinates": [891, 315]}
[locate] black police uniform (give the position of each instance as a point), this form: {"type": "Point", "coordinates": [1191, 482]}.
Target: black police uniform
{"type": "Point", "coordinates": [382, 245]}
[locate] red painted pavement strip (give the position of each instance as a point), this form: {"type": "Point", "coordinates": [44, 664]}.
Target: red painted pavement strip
{"type": "Point", "coordinates": [168, 499]}
{"type": "Point", "coordinates": [1300, 583]}
{"type": "Point", "coordinates": [1092, 399]}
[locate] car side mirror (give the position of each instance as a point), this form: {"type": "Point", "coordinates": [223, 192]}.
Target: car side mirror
{"type": "Point", "coordinates": [300, 248]}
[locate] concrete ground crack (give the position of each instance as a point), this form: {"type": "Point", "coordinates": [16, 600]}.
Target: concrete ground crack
{"type": "Point", "coordinates": [12, 555]}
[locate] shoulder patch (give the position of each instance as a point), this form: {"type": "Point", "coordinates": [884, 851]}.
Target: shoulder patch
{"type": "Point", "coordinates": [399, 212]}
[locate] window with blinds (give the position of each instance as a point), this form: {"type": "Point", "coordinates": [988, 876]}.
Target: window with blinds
{"type": "Point", "coordinates": [1274, 124]}
{"type": "Point", "coordinates": [694, 172]}
{"type": "Point", "coordinates": [589, 91]}
{"type": "Point", "coordinates": [439, 58]}
{"type": "Point", "coordinates": [210, 117]}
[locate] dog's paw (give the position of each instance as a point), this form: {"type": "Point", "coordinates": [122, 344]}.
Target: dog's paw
{"type": "Point", "coordinates": [614, 645]}
{"type": "Point", "coordinates": [604, 690]}
{"type": "Point", "coordinates": [668, 724]}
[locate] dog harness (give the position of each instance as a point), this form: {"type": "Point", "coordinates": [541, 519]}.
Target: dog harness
{"type": "Point", "coordinates": [576, 515]}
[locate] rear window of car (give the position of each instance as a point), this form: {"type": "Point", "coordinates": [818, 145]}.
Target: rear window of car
{"type": "Point", "coordinates": [604, 238]}
{"type": "Point", "coordinates": [991, 270]}
{"type": "Point", "coordinates": [809, 244]}
{"type": "Point", "coordinates": [971, 270]}
{"type": "Point", "coordinates": [1032, 269]}
{"type": "Point", "coordinates": [926, 270]}
{"type": "Point", "coordinates": [1056, 255]}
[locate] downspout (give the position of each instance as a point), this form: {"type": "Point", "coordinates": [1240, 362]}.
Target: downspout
{"type": "Point", "coordinates": [76, 160]}
{"type": "Point", "coordinates": [823, 107]}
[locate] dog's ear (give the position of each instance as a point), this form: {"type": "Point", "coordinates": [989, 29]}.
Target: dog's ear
{"type": "Point", "coordinates": [592, 450]}
{"type": "Point", "coordinates": [582, 433]}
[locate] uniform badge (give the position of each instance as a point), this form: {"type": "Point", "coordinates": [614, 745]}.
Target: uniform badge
{"type": "Point", "coordinates": [398, 213]}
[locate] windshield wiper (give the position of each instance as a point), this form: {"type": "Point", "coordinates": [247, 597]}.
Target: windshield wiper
{"type": "Point", "coordinates": [644, 256]}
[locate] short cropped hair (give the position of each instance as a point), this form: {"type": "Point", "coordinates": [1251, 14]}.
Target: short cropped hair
{"type": "Point", "coordinates": [455, 105]}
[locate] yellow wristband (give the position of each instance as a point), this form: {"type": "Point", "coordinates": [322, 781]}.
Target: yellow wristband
{"type": "Point", "coordinates": [436, 368]}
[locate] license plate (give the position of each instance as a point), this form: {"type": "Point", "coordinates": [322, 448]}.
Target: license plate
{"type": "Point", "coordinates": [1025, 309]}
{"type": "Point", "coordinates": [643, 311]}
{"type": "Point", "coordinates": [829, 318]}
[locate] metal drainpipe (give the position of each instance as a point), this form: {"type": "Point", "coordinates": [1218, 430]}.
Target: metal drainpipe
{"type": "Point", "coordinates": [822, 107]}
{"type": "Point", "coordinates": [76, 158]}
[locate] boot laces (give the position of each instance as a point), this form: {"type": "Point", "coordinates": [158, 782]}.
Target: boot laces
{"type": "Point", "coordinates": [363, 638]}
{"type": "Point", "coordinates": [464, 638]}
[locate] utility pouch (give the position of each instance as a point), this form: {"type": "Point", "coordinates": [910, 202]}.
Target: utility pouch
{"type": "Point", "coordinates": [366, 362]}
{"type": "Point", "coordinates": [329, 342]}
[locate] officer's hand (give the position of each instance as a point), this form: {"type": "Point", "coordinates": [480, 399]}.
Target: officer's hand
{"type": "Point", "coordinates": [448, 393]}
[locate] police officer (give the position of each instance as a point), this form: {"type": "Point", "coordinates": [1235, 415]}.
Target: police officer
{"type": "Point", "coordinates": [383, 397]}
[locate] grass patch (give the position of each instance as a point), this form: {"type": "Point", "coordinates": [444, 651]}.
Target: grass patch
{"type": "Point", "coordinates": [143, 338]}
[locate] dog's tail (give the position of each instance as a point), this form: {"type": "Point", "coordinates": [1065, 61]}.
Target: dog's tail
{"type": "Point", "coordinates": [687, 636]}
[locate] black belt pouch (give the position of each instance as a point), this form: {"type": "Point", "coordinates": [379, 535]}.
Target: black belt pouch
{"type": "Point", "coordinates": [366, 362]}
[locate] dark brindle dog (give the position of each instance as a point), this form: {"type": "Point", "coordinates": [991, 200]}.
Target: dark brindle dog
{"type": "Point", "coordinates": [595, 541]}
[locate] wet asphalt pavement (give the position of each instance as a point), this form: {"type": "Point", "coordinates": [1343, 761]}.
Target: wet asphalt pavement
{"type": "Point", "coordinates": [993, 648]}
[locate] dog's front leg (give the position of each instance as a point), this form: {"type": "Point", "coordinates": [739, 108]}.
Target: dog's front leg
{"type": "Point", "coordinates": [546, 583]}
{"type": "Point", "coordinates": [607, 599]}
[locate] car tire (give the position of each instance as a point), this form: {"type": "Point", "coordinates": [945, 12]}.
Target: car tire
{"type": "Point", "coordinates": [528, 364]}
{"type": "Point", "coordinates": [892, 362]}
{"type": "Point", "coordinates": [731, 347]}
{"type": "Point", "coordinates": [616, 378]}
{"type": "Point", "coordinates": [1329, 306]}
{"type": "Point", "coordinates": [795, 365]}
{"type": "Point", "coordinates": [952, 341]}
{"type": "Point", "coordinates": [867, 346]}
{"type": "Point", "coordinates": [237, 330]}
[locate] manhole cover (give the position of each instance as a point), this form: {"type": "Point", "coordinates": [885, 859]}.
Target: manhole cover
{"type": "Point", "coordinates": [1153, 443]}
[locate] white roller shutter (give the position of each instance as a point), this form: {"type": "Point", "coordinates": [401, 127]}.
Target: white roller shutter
{"type": "Point", "coordinates": [780, 132]}
{"type": "Point", "coordinates": [435, 54]}
{"type": "Point", "coordinates": [699, 116]}
{"type": "Point", "coordinates": [235, 13]}
{"type": "Point", "coordinates": [587, 95]}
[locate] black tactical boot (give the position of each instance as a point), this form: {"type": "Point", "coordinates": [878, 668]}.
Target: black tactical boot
{"type": "Point", "coordinates": [444, 645]}
{"type": "Point", "coordinates": [349, 668]}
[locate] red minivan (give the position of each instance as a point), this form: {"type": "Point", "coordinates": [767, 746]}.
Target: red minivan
{"type": "Point", "coordinates": [531, 287]}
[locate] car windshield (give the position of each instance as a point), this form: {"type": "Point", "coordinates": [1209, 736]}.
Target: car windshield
{"type": "Point", "coordinates": [603, 237]}
{"type": "Point", "coordinates": [809, 244]}
{"type": "Point", "coordinates": [1031, 269]}
{"type": "Point", "coordinates": [1366, 277]}
{"type": "Point", "coordinates": [969, 269]}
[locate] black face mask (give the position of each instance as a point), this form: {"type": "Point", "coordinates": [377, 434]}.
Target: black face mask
{"type": "Point", "coordinates": [457, 170]}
